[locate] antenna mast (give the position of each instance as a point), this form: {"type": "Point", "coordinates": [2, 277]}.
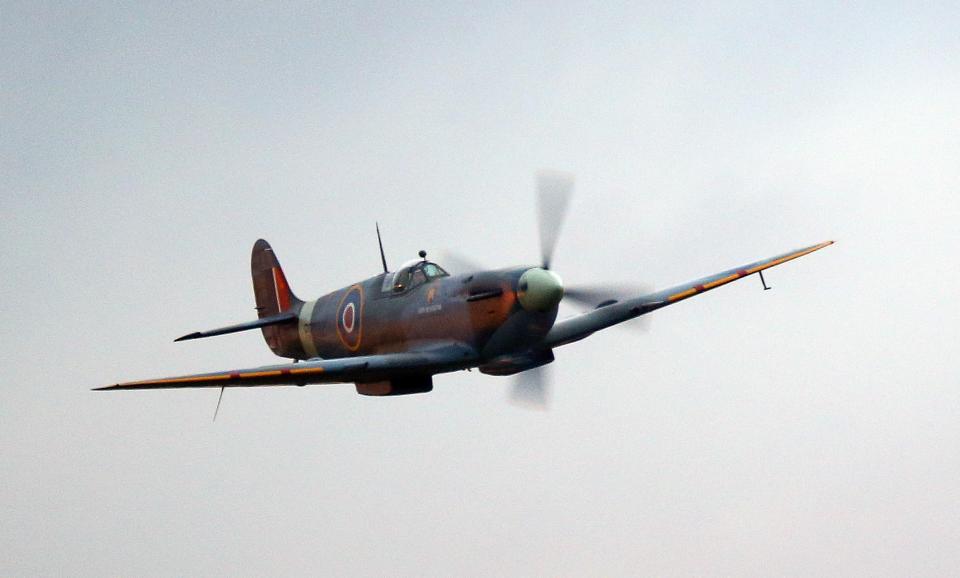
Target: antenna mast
{"type": "Point", "coordinates": [383, 257]}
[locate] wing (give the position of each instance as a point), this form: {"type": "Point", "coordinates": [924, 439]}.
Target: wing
{"type": "Point", "coordinates": [576, 328]}
{"type": "Point", "coordinates": [438, 359]}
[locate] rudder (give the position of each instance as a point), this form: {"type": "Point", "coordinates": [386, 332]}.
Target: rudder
{"type": "Point", "coordinates": [270, 285]}
{"type": "Point", "coordinates": [272, 292]}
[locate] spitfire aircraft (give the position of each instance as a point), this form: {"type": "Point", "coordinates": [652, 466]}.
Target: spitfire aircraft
{"type": "Point", "coordinates": [391, 333]}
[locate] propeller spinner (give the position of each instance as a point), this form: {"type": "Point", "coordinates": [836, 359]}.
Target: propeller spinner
{"type": "Point", "coordinates": [539, 290]}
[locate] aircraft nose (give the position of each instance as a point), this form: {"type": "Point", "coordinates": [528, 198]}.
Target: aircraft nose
{"type": "Point", "coordinates": [539, 289]}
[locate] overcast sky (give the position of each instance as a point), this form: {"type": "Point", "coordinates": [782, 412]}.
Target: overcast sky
{"type": "Point", "coordinates": [808, 430]}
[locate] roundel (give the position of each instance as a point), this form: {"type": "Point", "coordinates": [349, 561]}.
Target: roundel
{"type": "Point", "coordinates": [350, 318]}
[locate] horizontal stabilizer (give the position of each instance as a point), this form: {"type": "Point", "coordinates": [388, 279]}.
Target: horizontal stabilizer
{"type": "Point", "coordinates": [279, 318]}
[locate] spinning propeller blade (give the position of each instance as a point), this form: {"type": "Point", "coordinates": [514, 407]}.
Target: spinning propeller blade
{"type": "Point", "coordinates": [531, 389]}
{"type": "Point", "coordinates": [595, 296]}
{"type": "Point", "coordinates": [554, 190]}
{"type": "Point", "coordinates": [457, 264]}
{"type": "Point", "coordinates": [553, 197]}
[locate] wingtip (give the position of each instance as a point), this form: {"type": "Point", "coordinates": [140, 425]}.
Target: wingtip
{"type": "Point", "coordinates": [822, 245]}
{"type": "Point", "coordinates": [189, 336]}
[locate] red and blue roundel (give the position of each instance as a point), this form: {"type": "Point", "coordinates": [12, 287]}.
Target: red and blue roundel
{"type": "Point", "coordinates": [350, 318]}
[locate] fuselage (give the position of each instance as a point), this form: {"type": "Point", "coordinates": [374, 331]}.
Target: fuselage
{"type": "Point", "coordinates": [380, 315]}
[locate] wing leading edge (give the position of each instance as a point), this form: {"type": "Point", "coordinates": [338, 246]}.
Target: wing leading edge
{"type": "Point", "coordinates": [342, 370]}
{"type": "Point", "coordinates": [581, 326]}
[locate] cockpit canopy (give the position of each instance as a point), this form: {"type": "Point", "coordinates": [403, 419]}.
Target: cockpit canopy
{"type": "Point", "coordinates": [412, 274]}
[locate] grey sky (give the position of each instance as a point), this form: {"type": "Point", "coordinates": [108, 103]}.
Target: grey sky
{"type": "Point", "coordinates": [808, 430]}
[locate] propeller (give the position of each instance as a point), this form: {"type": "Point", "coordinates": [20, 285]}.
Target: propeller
{"type": "Point", "coordinates": [457, 264]}
{"type": "Point", "coordinates": [554, 190]}
{"type": "Point", "coordinates": [531, 388]}
{"type": "Point", "coordinates": [602, 295]}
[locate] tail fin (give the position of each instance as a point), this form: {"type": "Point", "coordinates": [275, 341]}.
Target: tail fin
{"type": "Point", "coordinates": [270, 285]}
{"type": "Point", "coordinates": [274, 297]}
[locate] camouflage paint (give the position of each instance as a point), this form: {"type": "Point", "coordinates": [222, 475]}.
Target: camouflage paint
{"type": "Point", "coordinates": [479, 310]}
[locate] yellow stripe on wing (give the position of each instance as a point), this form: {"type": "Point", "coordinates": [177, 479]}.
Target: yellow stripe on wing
{"type": "Point", "coordinates": [789, 257]}
{"type": "Point", "coordinates": [743, 273]}
{"type": "Point", "coordinates": [683, 294]}
{"type": "Point", "coordinates": [253, 374]}
{"type": "Point", "coordinates": [226, 376]}
{"type": "Point", "coordinates": [307, 370]}
{"type": "Point", "coordinates": [180, 380]}
{"type": "Point", "coordinates": [720, 282]}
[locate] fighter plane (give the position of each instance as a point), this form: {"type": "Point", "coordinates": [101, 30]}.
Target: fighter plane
{"type": "Point", "coordinates": [392, 333]}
